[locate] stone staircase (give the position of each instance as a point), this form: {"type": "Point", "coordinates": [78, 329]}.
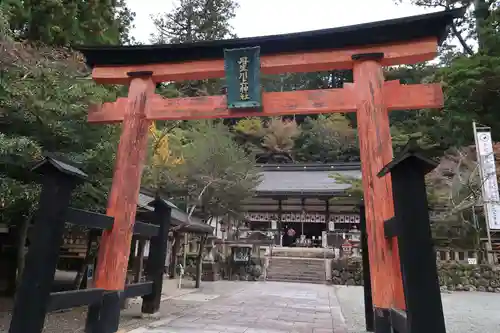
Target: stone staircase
{"type": "Point", "coordinates": [293, 269]}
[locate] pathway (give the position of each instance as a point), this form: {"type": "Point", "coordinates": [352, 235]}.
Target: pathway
{"type": "Point", "coordinates": [464, 312]}
{"type": "Point", "coordinates": [259, 307]}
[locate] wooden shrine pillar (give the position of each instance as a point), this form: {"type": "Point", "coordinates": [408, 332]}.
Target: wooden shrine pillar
{"type": "Point", "coordinates": [375, 152]}
{"type": "Point", "coordinates": [327, 214]}
{"type": "Point", "coordinates": [114, 248]}
{"type": "Point", "coordinates": [279, 241]}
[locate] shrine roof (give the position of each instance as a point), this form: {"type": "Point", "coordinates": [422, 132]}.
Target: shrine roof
{"type": "Point", "coordinates": [305, 179]}
{"type": "Point", "coordinates": [179, 217]}
{"type": "Point", "coordinates": [381, 32]}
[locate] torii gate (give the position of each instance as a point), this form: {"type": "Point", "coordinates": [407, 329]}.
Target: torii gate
{"type": "Point", "coordinates": [365, 48]}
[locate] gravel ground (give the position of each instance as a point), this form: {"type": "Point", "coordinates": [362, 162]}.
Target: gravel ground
{"type": "Point", "coordinates": [465, 312]}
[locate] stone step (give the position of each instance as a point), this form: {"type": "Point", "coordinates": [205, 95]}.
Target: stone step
{"type": "Point", "coordinates": [317, 277]}
{"type": "Point", "coordinates": [300, 268]}
{"type": "Point", "coordinates": [297, 272]}
{"type": "Point", "coordinates": [295, 278]}
{"type": "Point", "coordinates": [296, 262]}
{"type": "Point", "coordinates": [286, 259]}
{"type": "Point", "coordinates": [312, 276]}
{"type": "Point", "coordinates": [297, 269]}
{"type": "Point", "coordinates": [295, 265]}
{"type": "Point", "coordinates": [305, 267]}
{"type": "Point", "coordinates": [295, 281]}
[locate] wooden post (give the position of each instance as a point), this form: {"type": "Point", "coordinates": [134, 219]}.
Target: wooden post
{"type": "Point", "coordinates": [157, 257]}
{"type": "Point", "coordinates": [32, 298]}
{"type": "Point", "coordinates": [122, 203]}
{"type": "Point", "coordinates": [280, 232]}
{"type": "Point", "coordinates": [175, 251]}
{"type": "Point", "coordinates": [139, 260]}
{"type": "Point", "coordinates": [367, 284]}
{"type": "Point", "coordinates": [411, 225]}
{"type": "Point", "coordinates": [375, 152]}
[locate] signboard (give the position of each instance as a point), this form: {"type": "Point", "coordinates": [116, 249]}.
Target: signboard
{"type": "Point", "coordinates": [488, 173]}
{"type": "Point", "coordinates": [242, 68]}
{"type": "Point", "coordinates": [472, 261]}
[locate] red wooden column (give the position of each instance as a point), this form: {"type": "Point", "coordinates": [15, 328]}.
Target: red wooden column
{"type": "Point", "coordinates": [376, 151]}
{"type": "Point", "coordinates": [114, 248]}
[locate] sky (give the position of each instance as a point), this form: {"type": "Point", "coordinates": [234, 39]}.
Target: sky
{"type": "Point", "coordinates": [269, 17]}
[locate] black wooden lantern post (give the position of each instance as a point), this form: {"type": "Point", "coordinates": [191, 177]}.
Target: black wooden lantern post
{"type": "Point", "coordinates": [157, 256]}
{"type": "Point", "coordinates": [411, 225]}
{"type": "Point", "coordinates": [32, 297]}
{"type": "Point", "coordinates": [367, 284]}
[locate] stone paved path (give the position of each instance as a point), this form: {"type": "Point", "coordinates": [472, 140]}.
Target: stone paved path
{"type": "Point", "coordinates": [260, 307]}
{"type": "Point", "coordinates": [464, 312]}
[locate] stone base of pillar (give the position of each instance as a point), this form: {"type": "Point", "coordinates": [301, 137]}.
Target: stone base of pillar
{"type": "Point", "coordinates": [210, 271]}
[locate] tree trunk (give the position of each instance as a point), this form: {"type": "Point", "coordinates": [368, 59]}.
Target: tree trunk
{"type": "Point", "coordinates": [90, 255]}
{"type": "Point", "coordinates": [481, 15]}
{"type": "Point", "coordinates": [199, 260]}
{"type": "Point", "coordinates": [22, 235]}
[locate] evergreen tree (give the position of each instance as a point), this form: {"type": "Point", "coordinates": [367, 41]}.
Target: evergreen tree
{"type": "Point", "coordinates": [64, 23]}
{"type": "Point", "coordinates": [470, 78]}
{"type": "Point", "coordinates": [195, 20]}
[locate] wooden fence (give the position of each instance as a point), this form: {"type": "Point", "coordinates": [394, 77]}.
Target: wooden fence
{"type": "Point", "coordinates": [34, 298]}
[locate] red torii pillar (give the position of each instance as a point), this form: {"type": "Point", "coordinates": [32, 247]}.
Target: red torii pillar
{"type": "Point", "coordinates": [375, 143]}
{"type": "Point", "coordinates": [122, 202]}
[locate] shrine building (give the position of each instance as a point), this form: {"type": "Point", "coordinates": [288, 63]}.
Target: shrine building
{"type": "Point", "coordinates": [306, 198]}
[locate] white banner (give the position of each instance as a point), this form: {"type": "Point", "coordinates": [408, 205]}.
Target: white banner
{"type": "Point", "coordinates": [491, 197]}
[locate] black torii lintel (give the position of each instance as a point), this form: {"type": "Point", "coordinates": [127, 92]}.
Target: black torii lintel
{"type": "Point", "coordinates": [392, 31]}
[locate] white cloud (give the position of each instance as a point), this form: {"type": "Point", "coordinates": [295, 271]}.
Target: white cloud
{"type": "Point", "coordinates": [268, 17]}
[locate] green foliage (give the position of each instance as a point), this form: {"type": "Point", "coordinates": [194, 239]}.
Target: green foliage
{"type": "Point", "coordinates": [473, 92]}
{"type": "Point", "coordinates": [356, 189]}
{"type": "Point", "coordinates": [327, 139]}
{"type": "Point", "coordinates": [250, 126]}
{"type": "Point", "coordinates": [44, 96]}
{"type": "Point", "coordinates": [192, 21]}
{"type": "Point", "coordinates": [195, 20]}
{"type": "Point", "coordinates": [217, 175]}
{"type": "Point", "coordinates": [279, 134]}
{"type": "Point", "coordinates": [475, 26]}
{"type": "Point", "coordinates": [64, 23]}
{"type": "Point", "coordinates": [469, 77]}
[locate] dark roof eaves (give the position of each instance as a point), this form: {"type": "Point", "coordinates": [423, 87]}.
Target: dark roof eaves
{"type": "Point", "coordinates": [382, 32]}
